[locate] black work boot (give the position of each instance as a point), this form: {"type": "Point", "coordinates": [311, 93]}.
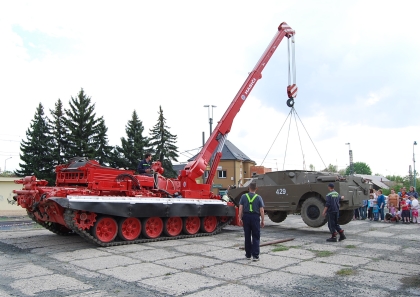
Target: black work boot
{"type": "Point", "coordinates": [333, 238]}
{"type": "Point", "coordinates": [342, 236]}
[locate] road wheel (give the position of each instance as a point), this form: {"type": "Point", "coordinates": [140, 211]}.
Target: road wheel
{"type": "Point", "coordinates": [172, 226]}
{"type": "Point", "coordinates": [345, 216]}
{"type": "Point", "coordinates": [191, 225]}
{"type": "Point", "coordinates": [208, 224]}
{"type": "Point", "coordinates": [105, 229]}
{"type": "Point", "coordinates": [152, 227]}
{"type": "Point", "coordinates": [277, 216]}
{"type": "Point", "coordinates": [129, 228]}
{"type": "Point", "coordinates": [311, 213]}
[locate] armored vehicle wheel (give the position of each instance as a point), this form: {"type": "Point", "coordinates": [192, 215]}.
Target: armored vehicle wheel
{"type": "Point", "coordinates": [129, 228]}
{"type": "Point", "coordinates": [105, 229]}
{"type": "Point", "coordinates": [311, 213]}
{"type": "Point", "coordinates": [277, 216]}
{"type": "Point", "coordinates": [345, 216]}
{"type": "Point", "coordinates": [172, 226]}
{"type": "Point", "coordinates": [152, 227]}
{"type": "Point", "coordinates": [208, 224]}
{"type": "Point", "coordinates": [191, 225]}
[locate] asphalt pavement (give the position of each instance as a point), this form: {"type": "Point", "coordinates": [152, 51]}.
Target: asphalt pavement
{"type": "Point", "coordinates": [376, 259]}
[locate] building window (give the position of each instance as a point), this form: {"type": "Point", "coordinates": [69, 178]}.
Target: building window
{"type": "Point", "coordinates": [221, 174]}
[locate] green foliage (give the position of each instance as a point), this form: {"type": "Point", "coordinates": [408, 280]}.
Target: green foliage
{"type": "Point", "coordinates": [82, 126]}
{"type": "Point", "coordinates": [58, 133]}
{"type": "Point", "coordinates": [132, 148]}
{"type": "Point", "coordinates": [359, 168]}
{"type": "Point", "coordinates": [342, 171]}
{"type": "Point", "coordinates": [78, 132]}
{"type": "Point", "coordinates": [103, 151]}
{"type": "Point", "coordinates": [162, 144]}
{"type": "Point", "coordinates": [399, 182]}
{"type": "Point", "coordinates": [331, 168]}
{"type": "Point", "coordinates": [36, 150]}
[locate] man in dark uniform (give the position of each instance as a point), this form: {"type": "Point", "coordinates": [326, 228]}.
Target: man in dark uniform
{"type": "Point", "coordinates": [332, 208]}
{"type": "Point", "coordinates": [251, 208]}
{"type": "Point", "coordinates": [145, 165]}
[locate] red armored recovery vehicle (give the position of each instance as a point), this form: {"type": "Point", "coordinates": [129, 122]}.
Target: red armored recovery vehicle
{"type": "Point", "coordinates": [109, 206]}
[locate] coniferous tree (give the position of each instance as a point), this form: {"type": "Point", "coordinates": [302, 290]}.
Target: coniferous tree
{"type": "Point", "coordinates": [59, 133]}
{"type": "Point", "coordinates": [36, 150]}
{"type": "Point", "coordinates": [82, 127]}
{"type": "Point", "coordinates": [103, 151]}
{"type": "Point", "coordinates": [163, 144]}
{"type": "Point", "coordinates": [133, 147]}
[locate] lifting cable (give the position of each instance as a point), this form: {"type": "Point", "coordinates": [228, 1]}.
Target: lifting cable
{"type": "Point", "coordinates": [300, 142]}
{"type": "Point", "coordinates": [287, 141]}
{"type": "Point", "coordinates": [276, 137]}
{"type": "Point", "coordinates": [310, 139]}
{"type": "Point", "coordinates": [294, 113]}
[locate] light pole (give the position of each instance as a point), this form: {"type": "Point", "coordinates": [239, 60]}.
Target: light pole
{"type": "Point", "coordinates": [210, 117]}
{"type": "Point", "coordinates": [5, 163]}
{"type": "Point", "coordinates": [351, 159]}
{"type": "Point", "coordinates": [414, 166]}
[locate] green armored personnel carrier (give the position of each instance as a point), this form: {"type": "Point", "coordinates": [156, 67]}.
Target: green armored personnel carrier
{"type": "Point", "coordinates": [303, 192]}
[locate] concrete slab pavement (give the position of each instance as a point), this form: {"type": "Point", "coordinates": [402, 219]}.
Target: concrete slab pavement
{"type": "Point", "coordinates": [36, 262]}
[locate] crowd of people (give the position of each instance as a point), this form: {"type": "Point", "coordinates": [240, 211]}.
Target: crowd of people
{"type": "Point", "coordinates": [397, 207]}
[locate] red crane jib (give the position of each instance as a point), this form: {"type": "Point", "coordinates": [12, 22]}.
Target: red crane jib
{"type": "Point", "coordinates": [195, 169]}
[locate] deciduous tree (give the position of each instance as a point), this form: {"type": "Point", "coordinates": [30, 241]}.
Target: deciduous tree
{"type": "Point", "coordinates": [359, 168]}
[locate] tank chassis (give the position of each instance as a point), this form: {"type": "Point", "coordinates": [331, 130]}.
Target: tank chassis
{"type": "Point", "coordinates": [108, 206]}
{"type": "Point", "coordinates": [303, 192]}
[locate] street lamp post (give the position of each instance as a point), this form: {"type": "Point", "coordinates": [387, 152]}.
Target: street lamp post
{"type": "Point", "coordinates": [351, 158]}
{"type": "Point", "coordinates": [414, 166]}
{"type": "Point", "coordinates": [210, 117]}
{"type": "Point", "coordinates": [5, 163]}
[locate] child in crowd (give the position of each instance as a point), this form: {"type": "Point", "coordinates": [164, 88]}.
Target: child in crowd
{"type": "Point", "coordinates": [392, 209]}
{"type": "Point", "coordinates": [398, 215]}
{"type": "Point", "coordinates": [375, 211]}
{"type": "Point", "coordinates": [405, 211]}
{"type": "Point", "coordinates": [370, 207]}
{"type": "Point", "coordinates": [414, 209]}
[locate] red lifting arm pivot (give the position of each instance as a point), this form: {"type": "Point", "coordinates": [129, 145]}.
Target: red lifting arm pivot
{"type": "Point", "coordinates": [196, 168]}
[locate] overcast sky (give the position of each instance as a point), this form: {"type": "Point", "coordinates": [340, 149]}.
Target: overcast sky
{"type": "Point", "coordinates": [357, 71]}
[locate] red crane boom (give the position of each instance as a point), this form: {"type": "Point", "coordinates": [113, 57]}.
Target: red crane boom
{"type": "Point", "coordinates": [215, 143]}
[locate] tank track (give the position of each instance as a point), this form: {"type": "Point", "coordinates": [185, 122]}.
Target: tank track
{"type": "Point", "coordinates": [50, 226]}
{"type": "Point", "coordinates": [68, 218]}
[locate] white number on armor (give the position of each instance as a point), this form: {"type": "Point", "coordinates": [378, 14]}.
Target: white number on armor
{"type": "Point", "coordinates": [281, 191]}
